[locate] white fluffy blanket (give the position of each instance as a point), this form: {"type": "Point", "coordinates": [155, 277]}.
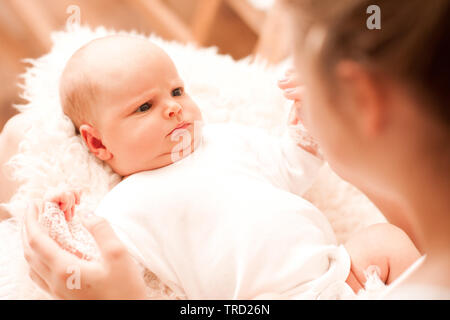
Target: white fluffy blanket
{"type": "Point", "coordinates": [52, 156]}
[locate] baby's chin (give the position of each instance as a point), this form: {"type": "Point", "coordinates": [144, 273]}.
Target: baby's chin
{"type": "Point", "coordinates": [182, 149]}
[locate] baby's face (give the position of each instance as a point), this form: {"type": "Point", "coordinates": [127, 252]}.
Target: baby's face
{"type": "Point", "coordinates": [140, 102]}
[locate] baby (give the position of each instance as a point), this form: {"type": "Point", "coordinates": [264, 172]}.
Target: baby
{"type": "Point", "coordinates": [213, 210]}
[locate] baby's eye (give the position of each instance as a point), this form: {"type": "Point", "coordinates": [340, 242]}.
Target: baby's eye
{"type": "Point", "coordinates": [177, 92]}
{"type": "Point", "coordinates": [145, 107]}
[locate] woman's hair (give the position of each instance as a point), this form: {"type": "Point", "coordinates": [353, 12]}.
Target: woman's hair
{"type": "Point", "coordinates": [412, 46]}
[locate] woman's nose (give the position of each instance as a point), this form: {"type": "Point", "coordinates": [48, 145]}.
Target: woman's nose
{"type": "Point", "coordinates": [172, 110]}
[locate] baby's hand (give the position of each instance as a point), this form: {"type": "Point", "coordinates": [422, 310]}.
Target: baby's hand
{"type": "Point", "coordinates": [66, 202]}
{"type": "Point", "coordinates": [292, 85]}
{"type": "Point", "coordinates": [293, 90]}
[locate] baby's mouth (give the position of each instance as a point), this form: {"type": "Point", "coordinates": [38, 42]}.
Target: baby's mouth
{"type": "Point", "coordinates": [182, 125]}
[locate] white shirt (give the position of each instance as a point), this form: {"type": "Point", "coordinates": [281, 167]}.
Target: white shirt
{"type": "Point", "coordinates": [224, 222]}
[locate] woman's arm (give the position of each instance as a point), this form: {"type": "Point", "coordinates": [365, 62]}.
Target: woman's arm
{"type": "Point", "coordinates": [64, 276]}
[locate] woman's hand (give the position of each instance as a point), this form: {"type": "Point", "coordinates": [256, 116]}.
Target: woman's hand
{"type": "Point", "coordinates": [64, 276]}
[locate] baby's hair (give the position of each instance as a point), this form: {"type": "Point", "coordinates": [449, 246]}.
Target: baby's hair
{"type": "Point", "coordinates": [412, 45]}
{"type": "Point", "coordinates": [77, 95]}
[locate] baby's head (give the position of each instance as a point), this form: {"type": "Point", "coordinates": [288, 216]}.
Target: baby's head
{"type": "Point", "coordinates": [125, 98]}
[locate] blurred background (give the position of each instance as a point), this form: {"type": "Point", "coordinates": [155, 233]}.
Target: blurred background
{"type": "Point", "coordinates": [240, 28]}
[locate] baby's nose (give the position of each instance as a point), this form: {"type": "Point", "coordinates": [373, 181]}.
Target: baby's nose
{"type": "Point", "coordinates": [173, 110]}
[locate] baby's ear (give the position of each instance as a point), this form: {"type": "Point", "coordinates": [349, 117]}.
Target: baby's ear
{"type": "Point", "coordinates": [93, 140]}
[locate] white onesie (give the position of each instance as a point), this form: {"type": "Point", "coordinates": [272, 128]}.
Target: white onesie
{"type": "Point", "coordinates": [224, 222]}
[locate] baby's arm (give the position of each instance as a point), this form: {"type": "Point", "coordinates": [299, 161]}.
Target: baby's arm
{"type": "Point", "coordinates": [300, 150]}
{"type": "Point", "coordinates": [294, 90]}
{"type": "Point", "coordinates": [280, 160]}
{"type": "Point", "coordinates": [382, 247]}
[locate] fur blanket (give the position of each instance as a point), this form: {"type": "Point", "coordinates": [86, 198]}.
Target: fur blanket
{"type": "Point", "coordinates": [52, 157]}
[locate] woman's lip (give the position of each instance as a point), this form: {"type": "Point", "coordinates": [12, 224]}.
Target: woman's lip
{"type": "Point", "coordinates": [180, 126]}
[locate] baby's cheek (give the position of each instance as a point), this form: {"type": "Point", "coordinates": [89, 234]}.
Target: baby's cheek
{"type": "Point", "coordinates": [153, 142]}
{"type": "Point", "coordinates": [191, 109]}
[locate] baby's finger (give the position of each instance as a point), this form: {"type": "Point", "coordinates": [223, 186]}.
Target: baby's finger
{"type": "Point", "coordinates": [294, 93]}
{"type": "Point", "coordinates": [66, 209]}
{"type": "Point", "coordinates": [62, 200]}
{"type": "Point", "coordinates": [68, 205]}
{"type": "Point", "coordinates": [290, 82]}
{"type": "Point", "coordinates": [62, 205]}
